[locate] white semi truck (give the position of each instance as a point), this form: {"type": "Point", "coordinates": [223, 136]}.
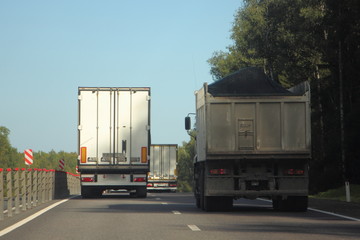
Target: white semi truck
{"type": "Point", "coordinates": [252, 140]}
{"type": "Point", "coordinates": [163, 174]}
{"type": "Point", "coordinates": [113, 139]}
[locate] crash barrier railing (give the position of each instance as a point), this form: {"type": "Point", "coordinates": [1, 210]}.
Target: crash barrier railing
{"type": "Point", "coordinates": [23, 189]}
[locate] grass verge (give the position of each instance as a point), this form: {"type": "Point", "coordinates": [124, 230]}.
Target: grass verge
{"type": "Point", "coordinates": [340, 194]}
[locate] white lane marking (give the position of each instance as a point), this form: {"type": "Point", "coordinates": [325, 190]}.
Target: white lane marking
{"type": "Point", "coordinates": [334, 214]}
{"type": "Point", "coordinates": [324, 212]}
{"type": "Point", "coordinates": [194, 228]}
{"type": "Point", "coordinates": [164, 203]}
{"type": "Point", "coordinates": [28, 219]}
{"type": "Point", "coordinates": [176, 212]}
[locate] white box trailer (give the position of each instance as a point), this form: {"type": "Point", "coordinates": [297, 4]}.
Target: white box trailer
{"type": "Point", "coordinates": [163, 174]}
{"type": "Point", "coordinates": [113, 139]}
{"type": "Point", "coordinates": [253, 140]}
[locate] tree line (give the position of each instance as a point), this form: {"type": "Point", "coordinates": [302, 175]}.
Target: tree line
{"type": "Point", "coordinates": [315, 41]}
{"type": "Point", "coordinates": [10, 157]}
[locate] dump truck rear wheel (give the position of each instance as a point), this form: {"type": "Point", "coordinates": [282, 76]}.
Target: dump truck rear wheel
{"type": "Point", "coordinates": [292, 203]}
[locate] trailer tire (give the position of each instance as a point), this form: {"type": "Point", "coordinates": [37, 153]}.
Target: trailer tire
{"type": "Point", "coordinates": [276, 204]}
{"type": "Point", "coordinates": [201, 185]}
{"type": "Point", "coordinates": [218, 203]}
{"type": "Point", "coordinates": [197, 199]}
{"type": "Point", "coordinates": [141, 192]}
{"type": "Point", "coordinates": [198, 187]}
{"type": "Point", "coordinates": [87, 192]}
{"type": "Point", "coordinates": [299, 203]}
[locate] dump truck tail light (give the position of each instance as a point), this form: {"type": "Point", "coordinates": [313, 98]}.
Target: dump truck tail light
{"type": "Point", "coordinates": [219, 171]}
{"type": "Point", "coordinates": [294, 172]}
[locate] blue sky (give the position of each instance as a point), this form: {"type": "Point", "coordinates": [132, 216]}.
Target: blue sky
{"type": "Point", "coordinates": [50, 48]}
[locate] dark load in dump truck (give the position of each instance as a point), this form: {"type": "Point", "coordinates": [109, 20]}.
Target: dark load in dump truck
{"type": "Point", "coordinates": [252, 140]}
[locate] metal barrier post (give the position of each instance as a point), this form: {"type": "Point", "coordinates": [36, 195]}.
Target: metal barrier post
{"type": "Point", "coordinates": [35, 188]}
{"type": "Point", "coordinates": [29, 188]}
{"type": "Point", "coordinates": [51, 184]}
{"type": "Point", "coordinates": [68, 182]}
{"type": "Point", "coordinates": [17, 190]}
{"type": "Point", "coordinates": [39, 186]}
{"type": "Point", "coordinates": [9, 191]}
{"type": "Point", "coordinates": [47, 178]}
{"type": "Point", "coordinates": [32, 187]}
{"type": "Point", "coordinates": [42, 186]}
{"type": "Point", "coordinates": [23, 189]}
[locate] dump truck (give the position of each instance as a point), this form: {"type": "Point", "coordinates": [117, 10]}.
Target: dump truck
{"type": "Point", "coordinates": [113, 139]}
{"type": "Point", "coordinates": [163, 174]}
{"type": "Point", "coordinates": [253, 139]}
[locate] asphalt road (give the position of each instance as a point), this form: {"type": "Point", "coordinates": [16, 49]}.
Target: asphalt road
{"type": "Point", "coordinates": [174, 216]}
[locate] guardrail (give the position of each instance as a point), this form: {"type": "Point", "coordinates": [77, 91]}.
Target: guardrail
{"type": "Point", "coordinates": [23, 189]}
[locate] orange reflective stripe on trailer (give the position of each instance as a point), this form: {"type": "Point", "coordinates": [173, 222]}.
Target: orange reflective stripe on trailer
{"type": "Point", "coordinates": [83, 155]}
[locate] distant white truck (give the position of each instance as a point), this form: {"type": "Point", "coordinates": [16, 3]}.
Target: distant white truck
{"type": "Point", "coordinates": [113, 139]}
{"type": "Point", "coordinates": [163, 174]}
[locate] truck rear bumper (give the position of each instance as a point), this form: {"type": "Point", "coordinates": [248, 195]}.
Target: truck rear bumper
{"type": "Point", "coordinates": [173, 189]}
{"type": "Point", "coordinates": [162, 185]}
{"type": "Point", "coordinates": [107, 169]}
{"type": "Point", "coordinates": [113, 180]}
{"type": "Point", "coordinates": [255, 194]}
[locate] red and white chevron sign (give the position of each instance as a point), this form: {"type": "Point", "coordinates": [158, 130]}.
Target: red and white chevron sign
{"type": "Point", "coordinates": [62, 164]}
{"type": "Point", "coordinates": [28, 157]}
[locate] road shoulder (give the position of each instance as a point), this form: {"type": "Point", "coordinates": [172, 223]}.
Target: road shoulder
{"type": "Point", "coordinates": [343, 208]}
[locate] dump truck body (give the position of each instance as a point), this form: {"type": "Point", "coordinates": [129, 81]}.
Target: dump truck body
{"type": "Point", "coordinates": [252, 143]}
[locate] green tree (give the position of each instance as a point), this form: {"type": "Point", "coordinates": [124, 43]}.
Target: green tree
{"type": "Point", "coordinates": [11, 158]}
{"type": "Point", "coordinates": [5, 147]}
{"type": "Point", "coordinates": [51, 160]}
{"type": "Point", "coordinates": [277, 36]}
{"type": "Point", "coordinates": [314, 40]}
{"type": "Point", "coordinates": [8, 155]}
{"type": "Point", "coordinates": [342, 51]}
{"type": "Point", "coordinates": [185, 166]}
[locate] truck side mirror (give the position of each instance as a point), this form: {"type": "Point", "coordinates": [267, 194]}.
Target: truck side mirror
{"type": "Point", "coordinates": [187, 123]}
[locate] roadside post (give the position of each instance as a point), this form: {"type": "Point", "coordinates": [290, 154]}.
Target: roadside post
{"type": "Point", "coordinates": [347, 190]}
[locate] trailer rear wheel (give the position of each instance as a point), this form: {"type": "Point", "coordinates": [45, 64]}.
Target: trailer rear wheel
{"type": "Point", "coordinates": [218, 203]}
{"type": "Point", "coordinates": [141, 192]}
{"type": "Point", "coordinates": [276, 204]}
{"type": "Point", "coordinates": [197, 199]}
{"type": "Point", "coordinates": [198, 190]}
{"type": "Point", "coordinates": [201, 187]}
{"type": "Point", "coordinates": [87, 192]}
{"type": "Point", "coordinates": [299, 203]}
